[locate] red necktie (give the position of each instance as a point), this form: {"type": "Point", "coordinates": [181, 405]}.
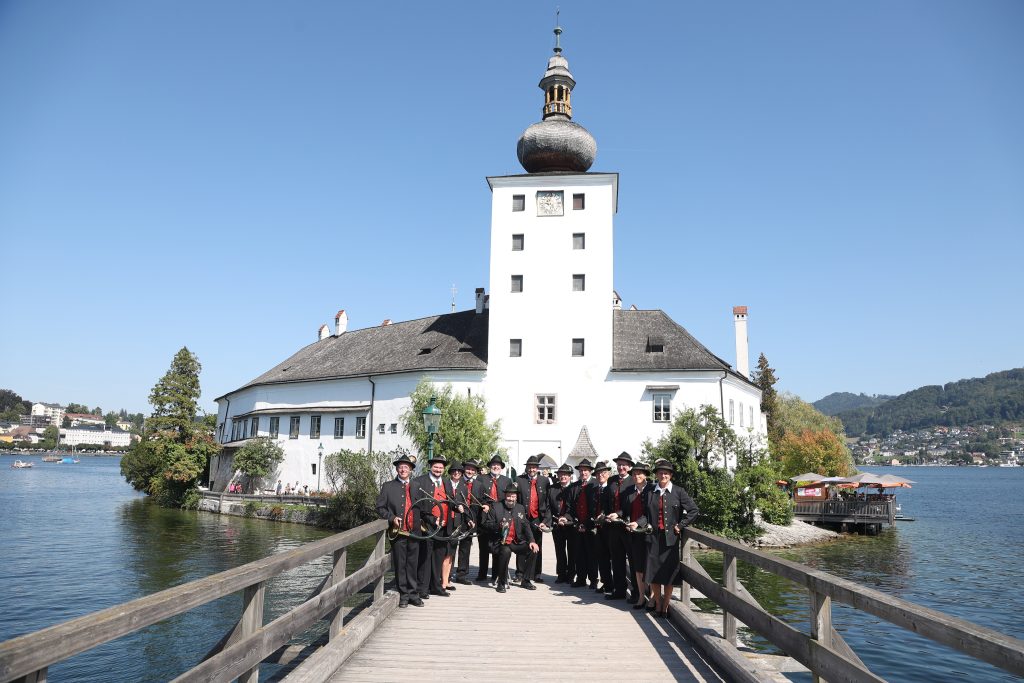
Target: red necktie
{"type": "Point", "coordinates": [618, 485]}
{"type": "Point", "coordinates": [661, 511]}
{"type": "Point", "coordinates": [534, 506]}
{"type": "Point", "coordinates": [511, 538]}
{"type": "Point", "coordinates": [637, 507]}
{"type": "Point", "coordinates": [469, 492]}
{"type": "Point", "coordinates": [494, 488]}
{"type": "Point", "coordinates": [406, 522]}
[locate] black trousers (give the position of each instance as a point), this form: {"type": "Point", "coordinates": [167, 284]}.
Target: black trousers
{"type": "Point", "coordinates": [432, 555]}
{"type": "Point", "coordinates": [504, 554]}
{"type": "Point", "coordinates": [538, 537]}
{"type": "Point", "coordinates": [484, 540]}
{"type": "Point", "coordinates": [621, 576]}
{"type": "Point", "coordinates": [604, 560]}
{"type": "Point", "coordinates": [564, 557]}
{"type": "Point", "coordinates": [405, 555]}
{"type": "Point", "coordinates": [585, 544]}
{"type": "Point", "coordinates": [462, 557]}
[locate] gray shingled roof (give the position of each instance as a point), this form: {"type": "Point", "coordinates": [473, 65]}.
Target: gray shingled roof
{"type": "Point", "coordinates": [635, 332]}
{"type": "Point", "coordinates": [453, 341]}
{"type": "Point", "coordinates": [584, 448]}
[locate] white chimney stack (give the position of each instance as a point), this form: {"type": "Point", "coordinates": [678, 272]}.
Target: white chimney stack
{"type": "Point", "coordinates": [323, 333]}
{"type": "Point", "coordinates": [340, 323]}
{"type": "Point", "coordinates": [479, 299]}
{"type": "Point", "coordinates": [739, 313]}
{"type": "Point", "coordinates": [387, 321]}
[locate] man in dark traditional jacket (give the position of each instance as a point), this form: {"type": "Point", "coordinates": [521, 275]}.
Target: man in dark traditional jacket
{"type": "Point", "coordinates": [511, 533]}
{"type": "Point", "coordinates": [395, 503]}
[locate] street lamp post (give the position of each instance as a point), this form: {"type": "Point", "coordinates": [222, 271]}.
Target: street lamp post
{"type": "Point", "coordinates": [431, 421]}
{"type": "Point", "coordinates": [319, 465]}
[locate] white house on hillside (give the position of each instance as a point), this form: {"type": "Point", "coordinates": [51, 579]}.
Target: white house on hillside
{"type": "Point", "coordinates": [568, 372]}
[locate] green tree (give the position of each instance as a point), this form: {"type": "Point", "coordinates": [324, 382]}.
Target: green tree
{"type": "Point", "coordinates": [110, 419]}
{"type": "Point", "coordinates": [175, 448]}
{"type": "Point", "coordinates": [13, 406]}
{"type": "Point", "coordinates": [765, 379]}
{"type": "Point", "coordinates": [794, 416]}
{"type": "Point", "coordinates": [356, 478]}
{"type": "Point", "coordinates": [464, 431]}
{"type": "Point", "coordinates": [258, 459]}
{"type": "Point", "coordinates": [818, 451]}
{"type": "Point", "coordinates": [50, 436]}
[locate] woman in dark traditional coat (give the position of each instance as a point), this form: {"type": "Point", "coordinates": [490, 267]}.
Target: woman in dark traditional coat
{"type": "Point", "coordinates": [634, 512]}
{"type": "Point", "coordinates": [669, 509]}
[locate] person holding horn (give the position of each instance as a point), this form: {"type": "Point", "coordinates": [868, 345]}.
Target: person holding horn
{"type": "Point", "coordinates": [584, 538]}
{"type": "Point", "coordinates": [560, 514]}
{"type": "Point", "coordinates": [511, 533]}
{"type": "Point", "coordinates": [395, 503]}
{"type": "Point", "coordinates": [459, 527]}
{"type": "Point", "coordinates": [634, 513]}
{"type": "Point", "coordinates": [614, 529]}
{"type": "Point", "coordinates": [669, 509]}
{"type": "Point", "coordinates": [597, 499]}
{"type": "Point", "coordinates": [463, 490]}
{"type": "Point", "coordinates": [533, 493]}
{"type": "Point", "coordinates": [435, 497]}
{"type": "Point", "coordinates": [489, 491]}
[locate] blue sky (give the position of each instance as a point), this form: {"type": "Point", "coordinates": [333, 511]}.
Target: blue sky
{"type": "Point", "coordinates": [228, 175]}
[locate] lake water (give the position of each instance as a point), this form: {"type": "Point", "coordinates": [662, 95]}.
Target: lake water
{"type": "Point", "coordinates": [963, 556]}
{"type": "Point", "coordinates": [77, 539]}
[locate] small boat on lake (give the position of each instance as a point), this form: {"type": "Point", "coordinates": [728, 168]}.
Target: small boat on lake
{"type": "Point", "coordinates": [51, 458]}
{"type": "Point", "coordinates": [69, 460]}
{"type": "Point", "coordinates": [20, 465]}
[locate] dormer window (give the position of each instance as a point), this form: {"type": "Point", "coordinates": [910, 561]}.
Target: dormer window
{"type": "Point", "coordinates": [655, 344]}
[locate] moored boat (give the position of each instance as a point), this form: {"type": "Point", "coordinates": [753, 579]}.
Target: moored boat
{"type": "Point", "coordinates": [20, 465]}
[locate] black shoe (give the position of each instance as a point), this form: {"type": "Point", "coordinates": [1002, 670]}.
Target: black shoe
{"type": "Point", "coordinates": [538, 579]}
{"type": "Point", "coordinates": [450, 588]}
{"type": "Point", "coordinates": [464, 581]}
{"type": "Point", "coordinates": [607, 589]}
{"type": "Point", "coordinates": [557, 580]}
{"type": "Point", "coordinates": [501, 588]}
{"type": "Point", "coordinates": [481, 579]}
{"type": "Point", "coordinates": [424, 596]}
{"type": "Point", "coordinates": [415, 602]}
{"type": "Point", "coordinates": [528, 586]}
{"type": "Point", "coordinates": [402, 604]}
{"type": "Point", "coordinates": [640, 605]}
{"type": "Point", "coordinates": [441, 593]}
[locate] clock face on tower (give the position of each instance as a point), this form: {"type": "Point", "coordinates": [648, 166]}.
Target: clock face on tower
{"type": "Point", "coordinates": [549, 203]}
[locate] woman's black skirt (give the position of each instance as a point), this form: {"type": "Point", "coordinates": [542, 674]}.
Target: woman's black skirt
{"type": "Point", "coordinates": [662, 560]}
{"type": "Point", "coordinates": [636, 544]}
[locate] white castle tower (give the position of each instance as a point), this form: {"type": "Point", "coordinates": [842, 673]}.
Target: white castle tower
{"type": "Point", "coordinates": [551, 288]}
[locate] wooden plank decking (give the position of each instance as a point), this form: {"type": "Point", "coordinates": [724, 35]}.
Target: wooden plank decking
{"type": "Point", "coordinates": [554, 632]}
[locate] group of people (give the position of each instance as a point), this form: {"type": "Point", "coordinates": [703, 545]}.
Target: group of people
{"type": "Point", "coordinates": [616, 534]}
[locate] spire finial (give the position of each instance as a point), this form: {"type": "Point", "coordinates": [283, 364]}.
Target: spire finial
{"type": "Point", "coordinates": [558, 32]}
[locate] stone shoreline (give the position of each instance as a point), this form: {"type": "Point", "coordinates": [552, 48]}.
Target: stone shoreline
{"type": "Point", "coordinates": [797, 533]}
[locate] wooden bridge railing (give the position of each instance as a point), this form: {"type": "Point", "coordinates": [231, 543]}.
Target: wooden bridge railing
{"type": "Point", "coordinates": [855, 510]}
{"type": "Point", "coordinates": [246, 645]}
{"type": "Point", "coordinates": [823, 651]}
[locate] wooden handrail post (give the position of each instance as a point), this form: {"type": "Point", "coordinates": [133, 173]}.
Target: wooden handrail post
{"type": "Point", "coordinates": [687, 557]}
{"type": "Point", "coordinates": [252, 621]}
{"type": "Point", "coordinates": [821, 623]}
{"type": "Point", "coordinates": [729, 577]}
{"type": "Point", "coordinates": [337, 576]}
{"type": "Point", "coordinates": [378, 552]}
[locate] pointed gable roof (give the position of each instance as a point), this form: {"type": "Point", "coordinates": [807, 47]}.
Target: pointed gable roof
{"type": "Point", "coordinates": [584, 447]}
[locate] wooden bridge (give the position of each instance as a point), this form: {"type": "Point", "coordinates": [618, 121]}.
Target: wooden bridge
{"type": "Point", "coordinates": [569, 633]}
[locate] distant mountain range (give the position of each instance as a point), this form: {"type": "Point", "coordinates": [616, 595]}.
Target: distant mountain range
{"type": "Point", "coordinates": [993, 399]}
{"type": "Point", "coordinates": [841, 401]}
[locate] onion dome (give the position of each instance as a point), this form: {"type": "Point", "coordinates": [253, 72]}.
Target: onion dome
{"type": "Point", "coordinates": [556, 143]}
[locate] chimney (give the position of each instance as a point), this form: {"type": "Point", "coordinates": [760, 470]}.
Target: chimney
{"type": "Point", "coordinates": [323, 333]}
{"type": "Point", "coordinates": [742, 355]}
{"type": "Point", "coordinates": [479, 299]}
{"type": "Point", "coordinates": [340, 323]}
{"type": "Point", "coordinates": [616, 301]}
{"type": "Point", "coordinates": [487, 302]}
{"type": "Point", "coordinates": [387, 321]}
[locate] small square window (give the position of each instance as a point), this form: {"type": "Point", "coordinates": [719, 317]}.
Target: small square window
{"type": "Point", "coordinates": [517, 283]}
{"type": "Point", "coordinates": [360, 427]}
{"type": "Point", "coordinates": [519, 202]}
{"type": "Point", "coordinates": [517, 242]}
{"type": "Point", "coordinates": [579, 240]}
{"type": "Point", "coordinates": [380, 428]}
{"type": "Point", "coordinates": [578, 202]}
{"type": "Point", "coordinates": [577, 347]}
{"type": "Point", "coordinates": [394, 427]}
{"type": "Point", "coordinates": [515, 348]}
{"type": "Point", "coordinates": [579, 282]}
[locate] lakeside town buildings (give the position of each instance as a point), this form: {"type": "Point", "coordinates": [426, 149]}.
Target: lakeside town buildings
{"type": "Point", "coordinates": [569, 372]}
